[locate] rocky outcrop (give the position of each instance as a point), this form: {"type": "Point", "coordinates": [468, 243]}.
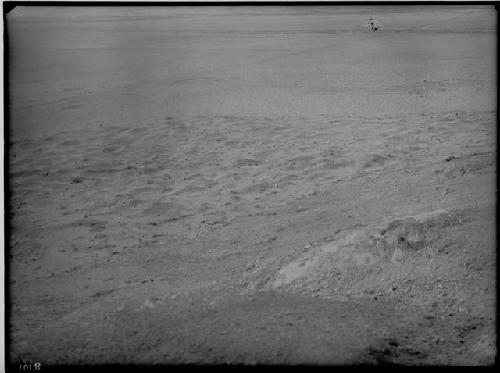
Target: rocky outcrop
{"type": "Point", "coordinates": [355, 261]}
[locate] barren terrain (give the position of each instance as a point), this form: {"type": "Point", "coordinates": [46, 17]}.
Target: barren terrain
{"type": "Point", "coordinates": [257, 185]}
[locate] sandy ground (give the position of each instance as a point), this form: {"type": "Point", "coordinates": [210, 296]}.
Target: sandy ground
{"type": "Point", "coordinates": [249, 185]}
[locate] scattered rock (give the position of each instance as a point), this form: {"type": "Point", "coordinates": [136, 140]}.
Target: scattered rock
{"type": "Point", "coordinates": [376, 160]}
{"type": "Point", "coordinates": [149, 304]}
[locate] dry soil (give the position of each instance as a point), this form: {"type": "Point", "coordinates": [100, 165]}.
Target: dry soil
{"type": "Point", "coordinates": [270, 185]}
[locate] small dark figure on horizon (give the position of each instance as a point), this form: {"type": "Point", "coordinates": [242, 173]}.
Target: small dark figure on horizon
{"type": "Point", "coordinates": [373, 25]}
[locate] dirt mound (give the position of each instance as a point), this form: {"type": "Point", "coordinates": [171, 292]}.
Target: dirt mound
{"type": "Point", "coordinates": [473, 163]}
{"type": "Point", "coordinates": [358, 262]}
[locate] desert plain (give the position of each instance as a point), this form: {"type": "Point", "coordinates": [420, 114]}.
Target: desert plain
{"type": "Point", "coordinates": [251, 185]}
